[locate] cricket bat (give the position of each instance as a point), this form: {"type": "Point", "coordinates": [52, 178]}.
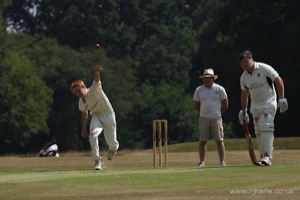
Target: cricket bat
{"type": "Point", "coordinates": [250, 145]}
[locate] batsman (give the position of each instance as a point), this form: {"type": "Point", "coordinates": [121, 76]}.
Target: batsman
{"type": "Point", "coordinates": [258, 81]}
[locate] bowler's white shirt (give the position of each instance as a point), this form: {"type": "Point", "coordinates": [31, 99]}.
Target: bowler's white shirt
{"type": "Point", "coordinates": [210, 99]}
{"type": "Point", "coordinates": [261, 93]}
{"type": "Point", "coordinates": [96, 100]}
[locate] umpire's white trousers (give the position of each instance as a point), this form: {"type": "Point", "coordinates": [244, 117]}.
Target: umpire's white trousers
{"type": "Point", "coordinates": [107, 123]}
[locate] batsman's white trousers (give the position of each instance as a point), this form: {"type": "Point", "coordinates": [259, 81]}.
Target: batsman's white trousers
{"type": "Point", "coordinates": [107, 123]}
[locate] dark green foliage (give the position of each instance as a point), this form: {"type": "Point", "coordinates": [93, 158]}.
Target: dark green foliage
{"type": "Point", "coordinates": [152, 52]}
{"type": "Point", "coordinates": [25, 100]}
{"type": "Point", "coordinates": [160, 102]}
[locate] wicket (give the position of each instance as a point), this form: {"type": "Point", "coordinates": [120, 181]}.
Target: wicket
{"type": "Point", "coordinates": [157, 128]}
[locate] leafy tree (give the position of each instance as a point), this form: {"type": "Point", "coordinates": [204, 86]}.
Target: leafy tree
{"type": "Point", "coordinates": [25, 101]}
{"type": "Point", "coordinates": [58, 19]}
{"type": "Point", "coordinates": [2, 38]}
{"type": "Point", "coordinates": [154, 33]}
{"type": "Point", "coordinates": [166, 43]}
{"type": "Point", "coordinates": [152, 51]}
{"type": "Point", "coordinates": [161, 102]}
{"type": "Point", "coordinates": [248, 26]}
{"type": "Point", "coordinates": [61, 65]}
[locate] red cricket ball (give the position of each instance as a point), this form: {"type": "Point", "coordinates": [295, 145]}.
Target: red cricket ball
{"type": "Point", "coordinates": [97, 46]}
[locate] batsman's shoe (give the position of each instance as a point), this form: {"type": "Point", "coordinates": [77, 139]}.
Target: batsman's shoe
{"type": "Point", "coordinates": [110, 155]}
{"type": "Point", "coordinates": [266, 161]}
{"type": "Point", "coordinates": [259, 163]}
{"type": "Point", "coordinates": [201, 164]}
{"type": "Point", "coordinates": [223, 164]}
{"type": "Point", "coordinates": [98, 165]}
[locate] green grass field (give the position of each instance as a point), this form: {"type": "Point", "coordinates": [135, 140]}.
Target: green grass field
{"type": "Point", "coordinates": [130, 175]}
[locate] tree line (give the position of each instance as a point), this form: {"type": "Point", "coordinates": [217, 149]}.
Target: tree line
{"type": "Point", "coordinates": [152, 53]}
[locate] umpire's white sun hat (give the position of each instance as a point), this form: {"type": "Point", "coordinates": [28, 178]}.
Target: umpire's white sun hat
{"type": "Point", "coordinates": [209, 73]}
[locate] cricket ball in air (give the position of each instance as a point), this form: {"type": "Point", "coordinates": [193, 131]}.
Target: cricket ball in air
{"type": "Point", "coordinates": [97, 46]}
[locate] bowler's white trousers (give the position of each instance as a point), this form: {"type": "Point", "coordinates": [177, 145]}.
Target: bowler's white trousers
{"type": "Point", "coordinates": [107, 123]}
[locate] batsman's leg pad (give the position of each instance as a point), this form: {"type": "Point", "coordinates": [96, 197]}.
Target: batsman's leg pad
{"type": "Point", "coordinates": [266, 123]}
{"type": "Point", "coordinates": [267, 139]}
{"type": "Point", "coordinates": [258, 137]}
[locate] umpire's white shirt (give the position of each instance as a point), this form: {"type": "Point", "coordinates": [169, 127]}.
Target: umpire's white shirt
{"type": "Point", "coordinates": [210, 99]}
{"type": "Point", "coordinates": [96, 101]}
{"type": "Point", "coordinates": [261, 92]}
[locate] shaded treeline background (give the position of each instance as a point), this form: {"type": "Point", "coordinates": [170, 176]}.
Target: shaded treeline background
{"type": "Point", "coordinates": [153, 53]}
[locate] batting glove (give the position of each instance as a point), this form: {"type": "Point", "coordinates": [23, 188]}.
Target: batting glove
{"type": "Point", "coordinates": [243, 116]}
{"type": "Point", "coordinates": [283, 105]}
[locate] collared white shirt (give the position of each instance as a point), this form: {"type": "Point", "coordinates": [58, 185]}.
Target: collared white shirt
{"type": "Point", "coordinates": [210, 100]}
{"type": "Point", "coordinates": [96, 100]}
{"type": "Point", "coordinates": [261, 92]}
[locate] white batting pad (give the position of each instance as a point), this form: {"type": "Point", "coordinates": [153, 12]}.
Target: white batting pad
{"type": "Point", "coordinates": [266, 144]}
